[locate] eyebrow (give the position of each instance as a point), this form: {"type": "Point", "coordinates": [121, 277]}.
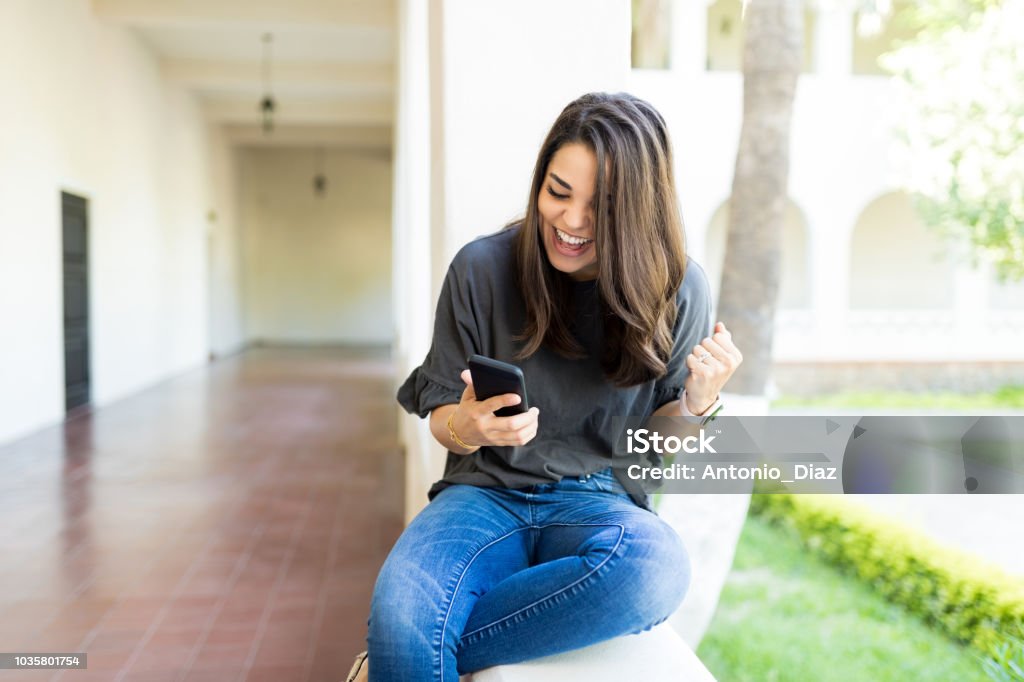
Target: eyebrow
{"type": "Point", "coordinates": [561, 182]}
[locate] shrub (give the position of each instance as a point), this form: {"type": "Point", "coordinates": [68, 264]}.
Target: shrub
{"type": "Point", "coordinates": [971, 601]}
{"type": "Point", "coordinates": [1006, 663]}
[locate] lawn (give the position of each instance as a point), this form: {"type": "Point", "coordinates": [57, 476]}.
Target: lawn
{"type": "Point", "coordinates": [786, 615]}
{"type": "Point", "coordinates": [1006, 397]}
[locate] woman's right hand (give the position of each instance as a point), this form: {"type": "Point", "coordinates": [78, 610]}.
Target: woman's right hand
{"type": "Point", "coordinates": [476, 423]}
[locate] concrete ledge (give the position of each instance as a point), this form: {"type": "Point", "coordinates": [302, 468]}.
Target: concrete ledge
{"type": "Point", "coordinates": [658, 655]}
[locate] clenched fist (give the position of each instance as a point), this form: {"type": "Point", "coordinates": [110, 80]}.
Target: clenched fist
{"type": "Point", "coordinates": [711, 364]}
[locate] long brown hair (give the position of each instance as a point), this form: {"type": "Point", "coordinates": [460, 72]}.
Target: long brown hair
{"type": "Point", "coordinates": [638, 234]}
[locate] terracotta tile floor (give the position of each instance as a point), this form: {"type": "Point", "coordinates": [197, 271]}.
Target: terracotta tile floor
{"type": "Point", "coordinates": [227, 524]}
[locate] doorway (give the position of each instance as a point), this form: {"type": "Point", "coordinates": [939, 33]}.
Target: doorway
{"type": "Point", "coordinates": [74, 213]}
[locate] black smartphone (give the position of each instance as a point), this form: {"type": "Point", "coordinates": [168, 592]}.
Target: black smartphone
{"type": "Point", "coordinates": [494, 377]}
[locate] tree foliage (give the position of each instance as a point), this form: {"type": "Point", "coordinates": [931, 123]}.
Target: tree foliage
{"type": "Point", "coordinates": [963, 128]}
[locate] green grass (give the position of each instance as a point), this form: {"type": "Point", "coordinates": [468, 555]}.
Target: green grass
{"type": "Point", "coordinates": [1006, 397]}
{"type": "Point", "coordinates": [786, 615]}
{"type": "Point", "coordinates": [1007, 663]}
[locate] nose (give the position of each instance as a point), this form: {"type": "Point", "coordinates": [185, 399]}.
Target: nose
{"type": "Point", "coordinates": [577, 217]}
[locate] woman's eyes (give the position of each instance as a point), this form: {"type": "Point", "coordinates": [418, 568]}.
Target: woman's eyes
{"type": "Point", "coordinates": [556, 195]}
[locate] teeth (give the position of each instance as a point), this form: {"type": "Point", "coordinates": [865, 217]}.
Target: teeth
{"type": "Point", "coordinates": [569, 239]}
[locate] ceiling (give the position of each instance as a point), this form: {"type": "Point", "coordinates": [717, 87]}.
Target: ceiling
{"type": "Point", "coordinates": [332, 67]}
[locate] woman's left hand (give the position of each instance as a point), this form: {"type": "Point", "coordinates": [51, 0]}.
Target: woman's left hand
{"type": "Point", "coordinates": [711, 364]}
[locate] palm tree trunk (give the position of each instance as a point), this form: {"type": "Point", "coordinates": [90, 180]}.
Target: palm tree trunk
{"type": "Point", "coordinates": [772, 54]}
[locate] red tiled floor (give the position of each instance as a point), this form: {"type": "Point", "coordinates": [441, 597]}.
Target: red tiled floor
{"type": "Point", "coordinates": [225, 525]}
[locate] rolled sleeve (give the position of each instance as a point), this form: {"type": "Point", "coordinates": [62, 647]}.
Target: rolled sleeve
{"type": "Point", "coordinates": [437, 382]}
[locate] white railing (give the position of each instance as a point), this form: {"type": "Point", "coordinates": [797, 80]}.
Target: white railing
{"type": "Point", "coordinates": [899, 336]}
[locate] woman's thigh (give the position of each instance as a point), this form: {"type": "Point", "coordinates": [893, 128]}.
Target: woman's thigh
{"type": "Point", "coordinates": [646, 571]}
{"type": "Point", "coordinates": [603, 567]}
{"type": "Point", "coordinates": [457, 548]}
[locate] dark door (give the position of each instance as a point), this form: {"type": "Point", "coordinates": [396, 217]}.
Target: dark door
{"type": "Point", "coordinates": [76, 302]}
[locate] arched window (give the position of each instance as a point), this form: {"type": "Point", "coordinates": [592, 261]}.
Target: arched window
{"type": "Point", "coordinates": [725, 36]}
{"type": "Point", "coordinates": [652, 33]}
{"type": "Point", "coordinates": [875, 34]}
{"type": "Point", "coordinates": [896, 261]}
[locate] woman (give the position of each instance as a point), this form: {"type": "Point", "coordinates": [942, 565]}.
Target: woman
{"type": "Point", "coordinates": [532, 544]}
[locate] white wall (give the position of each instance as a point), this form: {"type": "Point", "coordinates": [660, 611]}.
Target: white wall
{"type": "Point", "coordinates": [1005, 295]}
{"type": "Point", "coordinates": [224, 255]}
{"type": "Point", "coordinates": [506, 73]}
{"type": "Point", "coordinates": [85, 110]}
{"type": "Point", "coordinates": [316, 269]}
{"type": "Point", "coordinates": [411, 277]}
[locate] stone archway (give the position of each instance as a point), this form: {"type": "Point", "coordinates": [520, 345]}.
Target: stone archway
{"type": "Point", "coordinates": [896, 262]}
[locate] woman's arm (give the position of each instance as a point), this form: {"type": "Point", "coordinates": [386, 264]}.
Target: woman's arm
{"type": "Point", "coordinates": [439, 427]}
{"type": "Point", "coordinates": [675, 409]}
{"type": "Point", "coordinates": [679, 428]}
{"type": "Point", "coordinates": [711, 364]}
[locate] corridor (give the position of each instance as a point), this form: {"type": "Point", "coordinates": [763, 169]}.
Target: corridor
{"type": "Point", "coordinates": [226, 524]}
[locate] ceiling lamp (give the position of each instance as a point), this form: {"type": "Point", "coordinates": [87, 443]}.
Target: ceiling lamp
{"type": "Point", "coordinates": [319, 177]}
{"type": "Point", "coordinates": [267, 104]}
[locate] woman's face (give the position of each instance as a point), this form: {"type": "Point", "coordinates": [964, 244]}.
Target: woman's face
{"type": "Point", "coordinates": [566, 207]}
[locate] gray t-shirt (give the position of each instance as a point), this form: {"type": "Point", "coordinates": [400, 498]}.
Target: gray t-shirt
{"type": "Point", "coordinates": [481, 311]}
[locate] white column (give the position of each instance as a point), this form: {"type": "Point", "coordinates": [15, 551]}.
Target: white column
{"type": "Point", "coordinates": [411, 202]}
{"type": "Point", "coordinates": [833, 39]}
{"type": "Point", "coordinates": [830, 229]}
{"type": "Point", "coordinates": [689, 37]}
{"type": "Point", "coordinates": [411, 269]}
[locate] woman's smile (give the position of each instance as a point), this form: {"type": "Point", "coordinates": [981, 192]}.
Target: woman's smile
{"type": "Point", "coordinates": [569, 245]}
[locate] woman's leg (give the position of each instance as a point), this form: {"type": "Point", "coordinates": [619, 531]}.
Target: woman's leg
{"type": "Point", "coordinates": [604, 568]}
{"type": "Point", "coordinates": [463, 543]}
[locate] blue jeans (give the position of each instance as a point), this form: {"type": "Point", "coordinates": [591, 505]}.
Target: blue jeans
{"type": "Point", "coordinates": [487, 576]}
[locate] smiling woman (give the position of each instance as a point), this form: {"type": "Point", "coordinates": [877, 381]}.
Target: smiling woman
{"type": "Point", "coordinates": [604, 173]}
{"type": "Point", "coordinates": [536, 541]}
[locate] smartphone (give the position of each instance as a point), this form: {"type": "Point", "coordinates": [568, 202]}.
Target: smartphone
{"type": "Point", "coordinates": [494, 377]}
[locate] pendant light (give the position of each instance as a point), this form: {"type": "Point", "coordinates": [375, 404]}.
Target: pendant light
{"type": "Point", "coordinates": [267, 104]}
{"type": "Point", "coordinates": [319, 177]}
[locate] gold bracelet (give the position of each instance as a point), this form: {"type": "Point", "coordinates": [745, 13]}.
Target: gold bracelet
{"type": "Point", "coordinates": [455, 437]}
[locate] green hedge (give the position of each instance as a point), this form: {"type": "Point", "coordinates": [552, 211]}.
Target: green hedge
{"type": "Point", "coordinates": [971, 601]}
